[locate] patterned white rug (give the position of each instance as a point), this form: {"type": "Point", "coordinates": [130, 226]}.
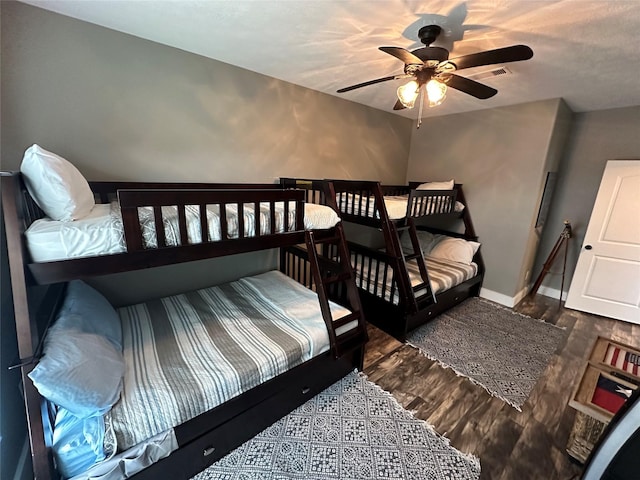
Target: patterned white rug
{"type": "Point", "coordinates": [501, 350]}
{"type": "Point", "coordinates": [352, 430]}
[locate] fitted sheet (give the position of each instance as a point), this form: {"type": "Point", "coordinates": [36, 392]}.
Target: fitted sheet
{"type": "Point", "coordinates": [101, 232]}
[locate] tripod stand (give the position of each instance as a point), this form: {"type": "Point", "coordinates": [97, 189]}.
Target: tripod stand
{"type": "Point", "coordinates": [562, 241]}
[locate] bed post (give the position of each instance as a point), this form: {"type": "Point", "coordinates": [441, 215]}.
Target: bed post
{"type": "Point", "coordinates": [26, 327]}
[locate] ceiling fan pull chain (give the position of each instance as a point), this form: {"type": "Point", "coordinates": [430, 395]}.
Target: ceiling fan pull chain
{"type": "Point", "coordinates": [420, 107]}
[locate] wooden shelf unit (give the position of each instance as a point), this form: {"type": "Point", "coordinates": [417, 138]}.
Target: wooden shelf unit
{"type": "Point", "coordinates": [591, 419]}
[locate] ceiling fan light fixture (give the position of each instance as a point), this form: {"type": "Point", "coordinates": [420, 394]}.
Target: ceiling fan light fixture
{"type": "Point", "coordinates": [436, 92]}
{"type": "Point", "coordinates": [408, 93]}
{"type": "Point", "coordinates": [432, 67]}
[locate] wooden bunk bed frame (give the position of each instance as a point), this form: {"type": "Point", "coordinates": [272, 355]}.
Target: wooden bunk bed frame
{"type": "Point", "coordinates": [38, 289]}
{"type": "Point", "coordinates": [423, 207]}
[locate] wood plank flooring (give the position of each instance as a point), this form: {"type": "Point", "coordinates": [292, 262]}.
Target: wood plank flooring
{"type": "Point", "coordinates": [511, 445]}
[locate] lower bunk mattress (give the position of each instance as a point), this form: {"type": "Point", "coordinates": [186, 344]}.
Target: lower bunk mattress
{"type": "Point", "coordinates": [443, 275]}
{"type": "Point", "coordinates": [188, 353]}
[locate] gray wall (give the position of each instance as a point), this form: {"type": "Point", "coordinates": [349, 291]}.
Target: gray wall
{"type": "Point", "coordinates": [138, 286]}
{"type": "Point", "coordinates": [123, 108]}
{"type": "Point", "coordinates": [120, 107]}
{"type": "Point", "coordinates": [501, 156]}
{"type": "Point", "coordinates": [595, 138]}
{"type": "Point", "coordinates": [555, 155]}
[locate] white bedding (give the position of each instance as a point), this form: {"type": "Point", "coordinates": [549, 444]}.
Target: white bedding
{"type": "Point", "coordinates": [101, 232]}
{"type": "Point", "coordinates": [396, 205]}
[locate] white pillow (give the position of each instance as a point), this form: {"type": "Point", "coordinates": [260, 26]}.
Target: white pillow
{"type": "Point", "coordinates": [56, 185]}
{"type": "Point", "coordinates": [79, 371]}
{"type": "Point", "coordinates": [437, 185]}
{"type": "Point", "coordinates": [455, 249]}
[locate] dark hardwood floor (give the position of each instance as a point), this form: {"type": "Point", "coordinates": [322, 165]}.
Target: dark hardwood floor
{"type": "Point", "coordinates": [511, 445]}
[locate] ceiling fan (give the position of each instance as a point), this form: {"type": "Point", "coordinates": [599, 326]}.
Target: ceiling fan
{"type": "Point", "coordinates": [431, 67]}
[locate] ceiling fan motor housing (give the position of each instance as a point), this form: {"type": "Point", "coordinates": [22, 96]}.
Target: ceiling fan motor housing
{"type": "Point", "coordinates": [428, 34]}
{"type": "Point", "coordinates": [436, 54]}
{"type": "Point", "coordinates": [431, 56]}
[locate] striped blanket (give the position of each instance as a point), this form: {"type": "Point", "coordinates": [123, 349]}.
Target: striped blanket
{"type": "Point", "coordinates": [188, 353]}
{"type": "Point", "coordinates": [443, 275]}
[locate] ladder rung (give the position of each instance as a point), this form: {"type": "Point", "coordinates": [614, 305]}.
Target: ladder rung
{"type": "Point", "coordinates": [420, 286]}
{"type": "Point", "coordinates": [334, 239]}
{"type": "Point", "coordinates": [413, 256]}
{"type": "Point", "coordinates": [349, 340]}
{"type": "Point", "coordinates": [328, 263]}
{"type": "Point", "coordinates": [427, 299]}
{"type": "Point", "coordinates": [353, 336]}
{"type": "Point", "coordinates": [339, 322]}
{"type": "Point", "coordinates": [340, 277]}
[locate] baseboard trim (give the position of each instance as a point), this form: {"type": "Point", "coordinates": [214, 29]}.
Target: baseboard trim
{"type": "Point", "coordinates": [520, 295]}
{"type": "Point", "coordinates": [511, 302]}
{"type": "Point", "coordinates": [552, 292]}
{"type": "Point", "coordinates": [497, 297]}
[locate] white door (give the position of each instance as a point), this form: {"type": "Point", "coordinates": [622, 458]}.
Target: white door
{"type": "Point", "coordinates": [607, 277]}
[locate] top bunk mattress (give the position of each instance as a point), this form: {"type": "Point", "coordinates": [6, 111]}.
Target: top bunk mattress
{"type": "Point", "coordinates": [102, 233]}
{"type": "Point", "coordinates": [364, 206]}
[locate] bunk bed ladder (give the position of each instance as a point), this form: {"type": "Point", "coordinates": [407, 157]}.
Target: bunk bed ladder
{"type": "Point", "coordinates": [417, 255]}
{"type": "Point", "coordinates": [329, 273]}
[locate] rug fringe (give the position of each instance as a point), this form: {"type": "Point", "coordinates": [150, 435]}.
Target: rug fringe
{"type": "Point", "coordinates": [463, 375]}
{"type": "Point", "coordinates": [467, 456]}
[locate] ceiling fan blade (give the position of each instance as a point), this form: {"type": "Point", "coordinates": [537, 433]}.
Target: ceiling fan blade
{"type": "Point", "coordinates": [405, 55]}
{"type": "Point", "coordinates": [371, 82]}
{"type": "Point", "coordinates": [398, 105]}
{"type": "Point", "coordinates": [514, 53]}
{"type": "Point", "coordinates": [466, 85]}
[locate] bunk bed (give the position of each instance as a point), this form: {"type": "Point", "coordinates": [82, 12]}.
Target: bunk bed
{"type": "Point", "coordinates": [410, 275]}
{"type": "Point", "coordinates": [162, 224]}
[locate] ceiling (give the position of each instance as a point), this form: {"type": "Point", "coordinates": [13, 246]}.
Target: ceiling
{"type": "Point", "coordinates": [585, 51]}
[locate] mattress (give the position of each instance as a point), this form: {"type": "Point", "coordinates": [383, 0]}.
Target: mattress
{"type": "Point", "coordinates": [396, 205]}
{"type": "Point", "coordinates": [443, 275]}
{"type": "Point", "coordinates": [101, 232]}
{"type": "Point", "coordinates": [188, 353]}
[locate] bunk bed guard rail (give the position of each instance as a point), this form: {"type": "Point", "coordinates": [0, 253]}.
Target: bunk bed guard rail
{"type": "Point", "coordinates": [262, 204]}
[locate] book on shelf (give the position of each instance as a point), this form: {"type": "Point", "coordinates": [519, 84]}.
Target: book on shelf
{"type": "Point", "coordinates": [609, 394]}
{"type": "Point", "coordinates": [622, 359]}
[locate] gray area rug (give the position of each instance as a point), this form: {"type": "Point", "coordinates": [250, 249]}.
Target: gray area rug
{"type": "Point", "coordinates": [352, 430]}
{"type": "Point", "coordinates": [501, 350]}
